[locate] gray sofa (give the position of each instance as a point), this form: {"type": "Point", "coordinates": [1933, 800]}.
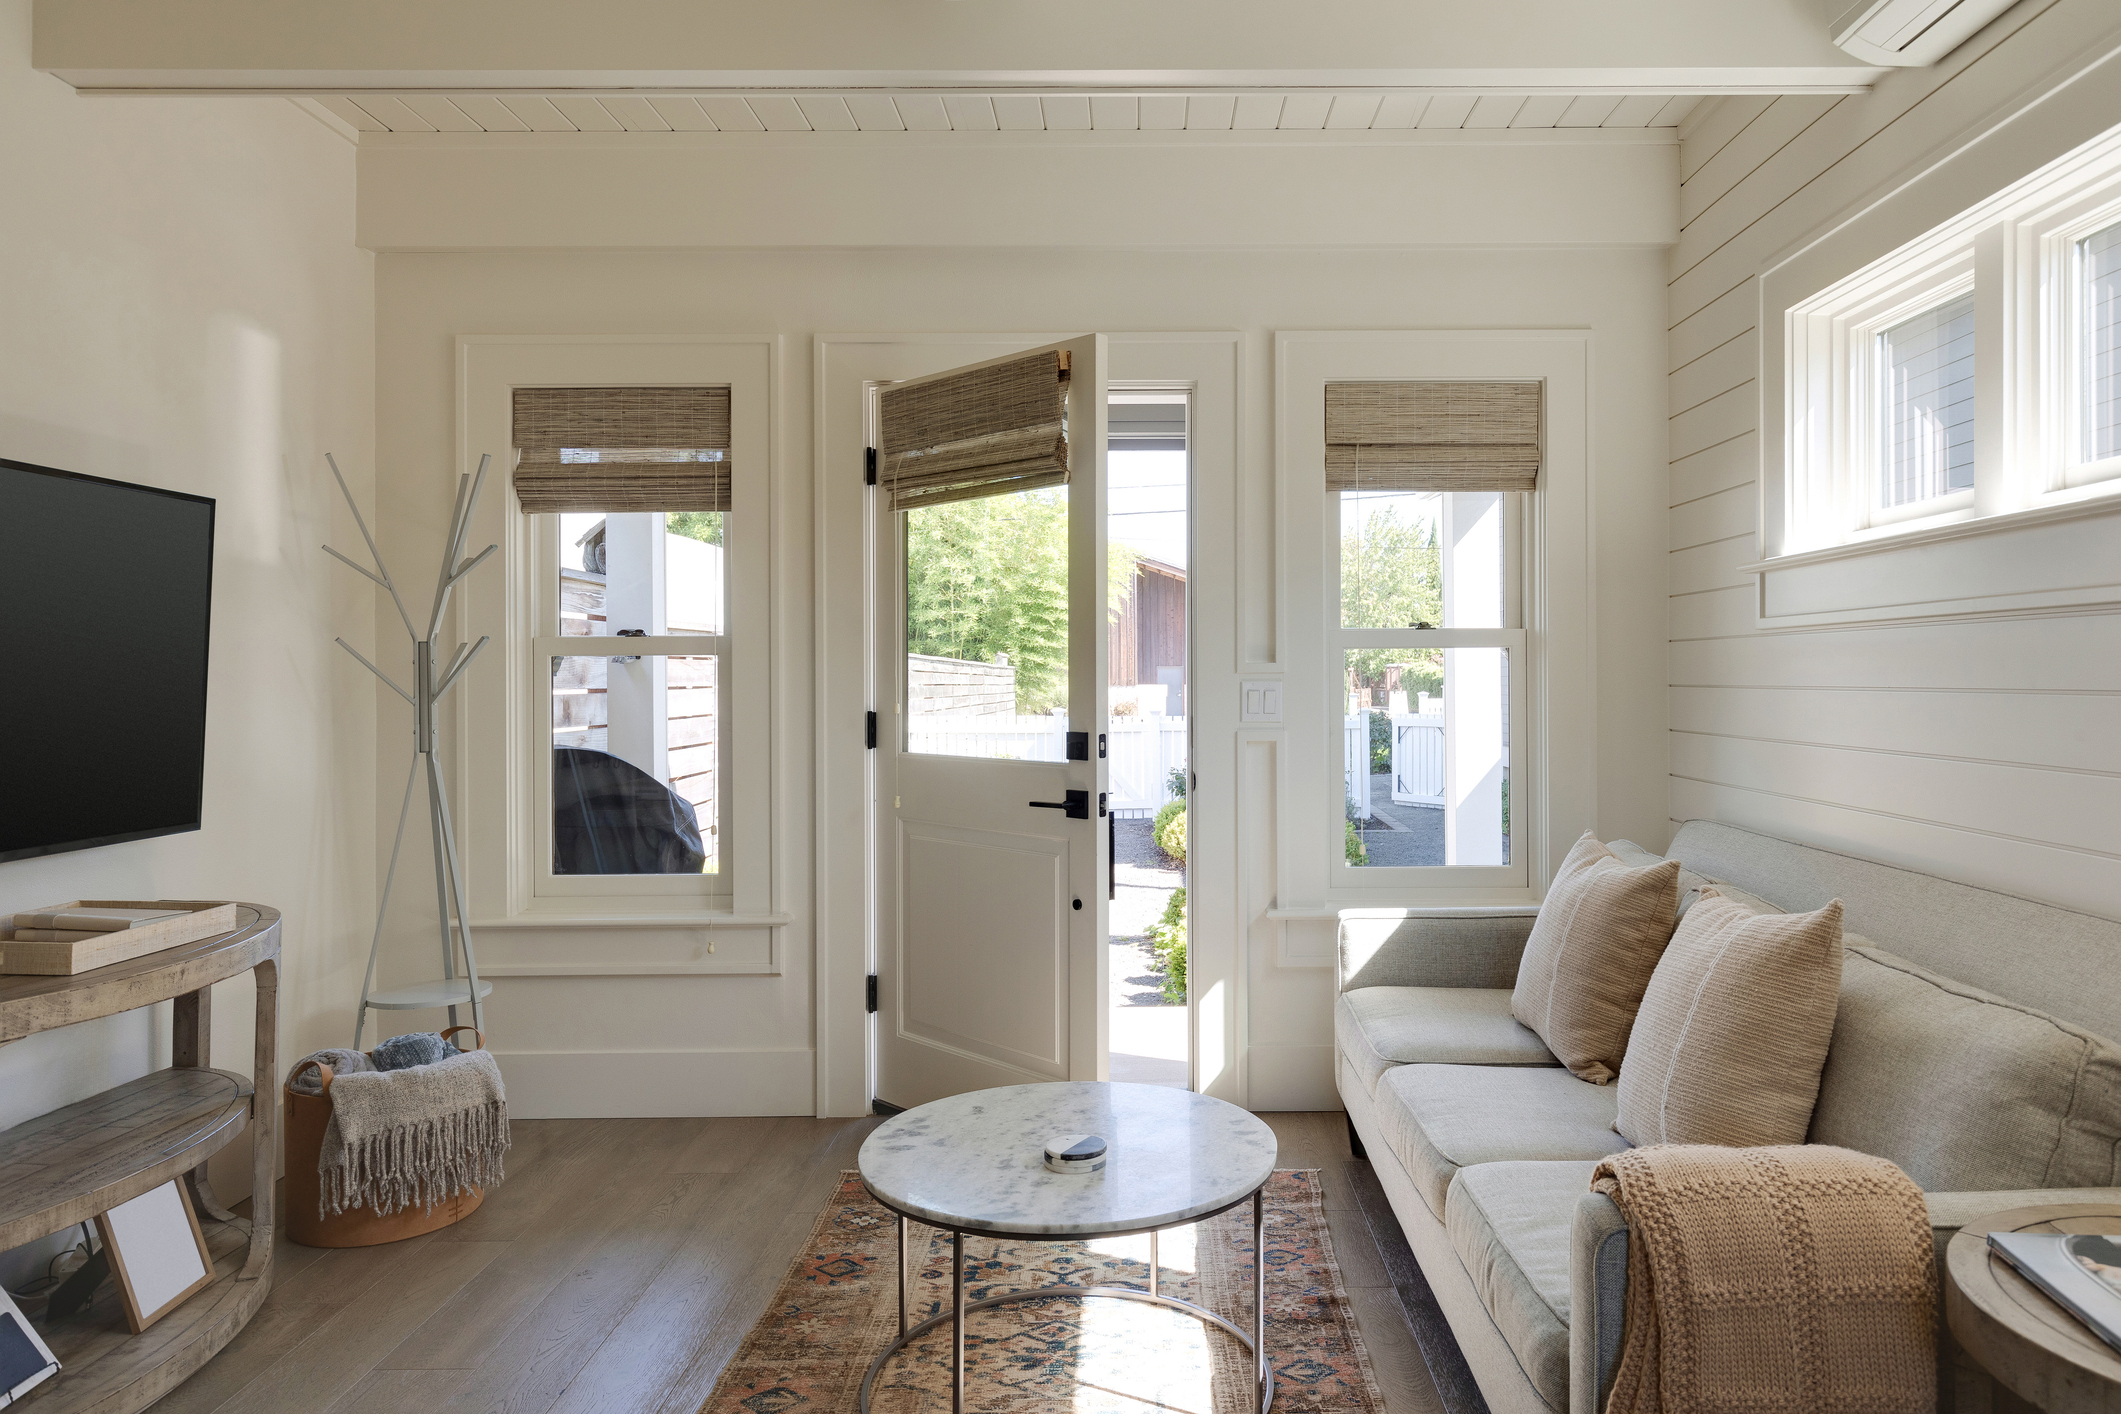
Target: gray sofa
{"type": "Point", "coordinates": [1967, 1050]}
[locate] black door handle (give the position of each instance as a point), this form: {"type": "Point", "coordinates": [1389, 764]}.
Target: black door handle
{"type": "Point", "coordinates": [1077, 804]}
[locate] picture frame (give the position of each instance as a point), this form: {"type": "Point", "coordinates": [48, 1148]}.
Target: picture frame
{"type": "Point", "coordinates": [157, 1253]}
{"type": "Point", "coordinates": [25, 1360]}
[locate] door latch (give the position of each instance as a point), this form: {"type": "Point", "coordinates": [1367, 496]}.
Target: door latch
{"type": "Point", "coordinates": [1077, 805]}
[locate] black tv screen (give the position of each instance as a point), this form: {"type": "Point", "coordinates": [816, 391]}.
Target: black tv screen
{"type": "Point", "coordinates": [104, 716]}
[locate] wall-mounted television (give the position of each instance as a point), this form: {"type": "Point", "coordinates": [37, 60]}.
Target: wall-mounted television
{"type": "Point", "coordinates": [103, 627]}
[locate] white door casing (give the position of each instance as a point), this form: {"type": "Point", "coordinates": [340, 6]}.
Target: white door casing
{"type": "Point", "coordinates": [991, 913]}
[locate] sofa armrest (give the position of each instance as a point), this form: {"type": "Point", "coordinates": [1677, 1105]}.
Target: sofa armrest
{"type": "Point", "coordinates": [1433, 947]}
{"type": "Point", "coordinates": [1598, 1298]}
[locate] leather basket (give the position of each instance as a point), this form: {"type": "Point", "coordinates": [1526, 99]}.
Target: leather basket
{"type": "Point", "coordinates": [304, 1119]}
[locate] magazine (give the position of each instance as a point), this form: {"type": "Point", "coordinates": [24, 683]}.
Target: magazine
{"type": "Point", "coordinates": [25, 1360]}
{"type": "Point", "coordinates": [2081, 1270]}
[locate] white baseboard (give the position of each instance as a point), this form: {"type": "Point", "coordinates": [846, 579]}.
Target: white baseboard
{"type": "Point", "coordinates": [1292, 1078]}
{"type": "Point", "coordinates": [657, 1084]}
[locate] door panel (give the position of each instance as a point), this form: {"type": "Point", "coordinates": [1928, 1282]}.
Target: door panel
{"type": "Point", "coordinates": [991, 910]}
{"type": "Point", "coordinates": [984, 957]}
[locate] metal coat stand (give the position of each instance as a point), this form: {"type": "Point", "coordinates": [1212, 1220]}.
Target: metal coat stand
{"type": "Point", "coordinates": [429, 687]}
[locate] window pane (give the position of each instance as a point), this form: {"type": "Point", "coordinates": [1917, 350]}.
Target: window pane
{"type": "Point", "coordinates": [987, 627]}
{"type": "Point", "coordinates": [636, 766]}
{"type": "Point", "coordinates": [1146, 528]}
{"type": "Point", "coordinates": [1426, 757]}
{"type": "Point", "coordinates": [659, 572]}
{"type": "Point", "coordinates": [2101, 262]}
{"type": "Point", "coordinates": [1421, 559]}
{"type": "Point", "coordinates": [1927, 365]}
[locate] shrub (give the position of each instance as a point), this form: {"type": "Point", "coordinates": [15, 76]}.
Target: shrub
{"type": "Point", "coordinates": [1380, 742]}
{"type": "Point", "coordinates": [1176, 782]}
{"type": "Point", "coordinates": [1170, 830]}
{"type": "Point", "coordinates": [1168, 937]}
{"type": "Point", "coordinates": [1357, 852]}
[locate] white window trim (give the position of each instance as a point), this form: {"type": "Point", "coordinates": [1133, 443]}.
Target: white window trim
{"type": "Point", "coordinates": [1553, 794]}
{"type": "Point", "coordinates": [2016, 252]}
{"type": "Point", "coordinates": [527, 917]}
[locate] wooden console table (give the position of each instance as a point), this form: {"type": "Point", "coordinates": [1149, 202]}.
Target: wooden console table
{"type": "Point", "coordinates": [65, 1167]}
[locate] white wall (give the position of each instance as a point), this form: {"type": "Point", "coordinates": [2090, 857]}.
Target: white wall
{"type": "Point", "coordinates": [1927, 745]}
{"type": "Point", "coordinates": [184, 307]}
{"type": "Point", "coordinates": [425, 299]}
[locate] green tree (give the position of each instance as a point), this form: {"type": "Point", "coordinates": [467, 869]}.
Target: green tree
{"type": "Point", "coordinates": [1391, 576]}
{"type": "Point", "coordinates": [990, 576]}
{"type": "Point", "coordinates": [703, 526]}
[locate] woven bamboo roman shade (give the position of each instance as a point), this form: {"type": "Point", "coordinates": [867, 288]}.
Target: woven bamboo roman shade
{"type": "Point", "coordinates": [1432, 436]}
{"type": "Point", "coordinates": [986, 432]}
{"type": "Point", "coordinates": [622, 449]}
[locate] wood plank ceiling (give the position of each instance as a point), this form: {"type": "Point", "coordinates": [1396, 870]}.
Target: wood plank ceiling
{"type": "Point", "coordinates": [1309, 111]}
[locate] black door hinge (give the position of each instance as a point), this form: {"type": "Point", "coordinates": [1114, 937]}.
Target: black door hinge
{"type": "Point", "coordinates": [872, 992]}
{"type": "Point", "coordinates": [869, 467]}
{"type": "Point", "coordinates": [869, 734]}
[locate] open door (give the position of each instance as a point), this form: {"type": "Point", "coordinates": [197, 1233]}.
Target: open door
{"type": "Point", "coordinates": [992, 833]}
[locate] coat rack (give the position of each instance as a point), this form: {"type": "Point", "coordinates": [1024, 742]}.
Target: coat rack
{"type": "Point", "coordinates": [428, 690]}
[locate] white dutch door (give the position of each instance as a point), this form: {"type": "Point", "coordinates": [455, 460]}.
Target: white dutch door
{"type": "Point", "coordinates": [992, 837]}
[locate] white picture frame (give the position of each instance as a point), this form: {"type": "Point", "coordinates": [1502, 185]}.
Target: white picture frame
{"type": "Point", "coordinates": [157, 1253]}
{"type": "Point", "coordinates": [14, 1327]}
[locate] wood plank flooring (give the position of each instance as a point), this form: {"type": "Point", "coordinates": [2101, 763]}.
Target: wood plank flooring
{"type": "Point", "coordinates": [616, 1271]}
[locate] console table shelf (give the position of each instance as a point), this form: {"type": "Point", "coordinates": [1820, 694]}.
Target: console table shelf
{"type": "Point", "coordinates": [65, 1167]}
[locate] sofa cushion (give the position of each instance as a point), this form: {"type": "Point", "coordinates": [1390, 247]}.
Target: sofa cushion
{"type": "Point", "coordinates": [1964, 1090]}
{"type": "Point", "coordinates": [1510, 1224]}
{"type": "Point", "coordinates": [1593, 947]}
{"type": "Point", "coordinates": [1380, 1027]}
{"type": "Point", "coordinates": [1636, 857]}
{"type": "Point", "coordinates": [1441, 1118]}
{"type": "Point", "coordinates": [1734, 1028]}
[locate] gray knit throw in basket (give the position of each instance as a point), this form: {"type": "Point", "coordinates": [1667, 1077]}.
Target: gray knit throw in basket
{"type": "Point", "coordinates": [419, 1135]}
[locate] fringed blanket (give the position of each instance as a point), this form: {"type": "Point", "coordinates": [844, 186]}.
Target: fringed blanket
{"type": "Point", "coordinates": [1797, 1279]}
{"type": "Point", "coordinates": [419, 1135]}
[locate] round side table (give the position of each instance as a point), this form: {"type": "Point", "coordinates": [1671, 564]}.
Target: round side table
{"type": "Point", "coordinates": [974, 1164]}
{"type": "Point", "coordinates": [2032, 1346]}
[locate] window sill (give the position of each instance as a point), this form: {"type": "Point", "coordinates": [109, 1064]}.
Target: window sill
{"type": "Point", "coordinates": [2042, 560]}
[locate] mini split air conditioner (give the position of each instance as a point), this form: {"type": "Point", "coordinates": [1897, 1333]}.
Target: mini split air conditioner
{"type": "Point", "coordinates": [1911, 33]}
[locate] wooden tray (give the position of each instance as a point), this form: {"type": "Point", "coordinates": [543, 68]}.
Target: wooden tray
{"type": "Point", "coordinates": [202, 919]}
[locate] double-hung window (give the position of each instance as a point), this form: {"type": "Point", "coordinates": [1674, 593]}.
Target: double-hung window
{"type": "Point", "coordinates": [1427, 483]}
{"type": "Point", "coordinates": [628, 490]}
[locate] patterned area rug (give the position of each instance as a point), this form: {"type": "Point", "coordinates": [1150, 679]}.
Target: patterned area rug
{"type": "Point", "coordinates": [838, 1306]}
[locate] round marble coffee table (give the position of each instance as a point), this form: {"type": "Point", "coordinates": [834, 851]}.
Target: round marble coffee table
{"type": "Point", "coordinates": [974, 1165]}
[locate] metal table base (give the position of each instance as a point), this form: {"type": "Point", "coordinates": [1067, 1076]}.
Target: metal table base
{"type": "Point", "coordinates": [1256, 1341]}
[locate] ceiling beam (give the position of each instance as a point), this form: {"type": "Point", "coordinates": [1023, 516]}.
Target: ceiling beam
{"type": "Point", "coordinates": [677, 46]}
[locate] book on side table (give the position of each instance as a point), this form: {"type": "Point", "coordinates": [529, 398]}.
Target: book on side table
{"type": "Point", "coordinates": [2080, 1270]}
{"type": "Point", "coordinates": [70, 938]}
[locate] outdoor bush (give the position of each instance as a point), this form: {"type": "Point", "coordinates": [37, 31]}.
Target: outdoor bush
{"type": "Point", "coordinates": [1176, 782]}
{"type": "Point", "coordinates": [1169, 830]}
{"type": "Point", "coordinates": [1168, 937]}
{"type": "Point", "coordinates": [1380, 742]}
{"type": "Point", "coordinates": [1357, 851]}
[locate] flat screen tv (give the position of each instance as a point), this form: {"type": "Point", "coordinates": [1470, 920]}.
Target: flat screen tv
{"type": "Point", "coordinates": [103, 712]}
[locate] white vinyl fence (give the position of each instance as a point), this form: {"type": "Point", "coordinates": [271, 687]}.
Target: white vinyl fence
{"type": "Point", "coordinates": [1417, 760]}
{"type": "Point", "coordinates": [1142, 752]}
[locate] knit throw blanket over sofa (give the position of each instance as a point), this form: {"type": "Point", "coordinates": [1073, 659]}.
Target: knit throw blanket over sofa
{"type": "Point", "coordinates": [1795, 1278]}
{"type": "Point", "coordinates": [418, 1135]}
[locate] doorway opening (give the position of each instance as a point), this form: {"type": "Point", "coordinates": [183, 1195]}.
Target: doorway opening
{"type": "Point", "coordinates": [1149, 535]}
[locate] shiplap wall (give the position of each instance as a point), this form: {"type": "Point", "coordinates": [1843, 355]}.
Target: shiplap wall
{"type": "Point", "coordinates": [1985, 750]}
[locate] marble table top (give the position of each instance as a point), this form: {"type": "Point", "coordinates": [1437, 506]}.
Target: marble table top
{"type": "Point", "coordinates": [977, 1161]}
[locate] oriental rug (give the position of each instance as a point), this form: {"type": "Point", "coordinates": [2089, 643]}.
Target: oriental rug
{"type": "Point", "coordinates": [838, 1306]}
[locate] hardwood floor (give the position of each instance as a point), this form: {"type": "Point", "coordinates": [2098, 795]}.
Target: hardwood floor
{"type": "Point", "coordinates": [616, 1271]}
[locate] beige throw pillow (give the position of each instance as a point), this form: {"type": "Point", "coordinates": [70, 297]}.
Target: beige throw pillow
{"type": "Point", "coordinates": [1592, 950]}
{"type": "Point", "coordinates": [1734, 1028]}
